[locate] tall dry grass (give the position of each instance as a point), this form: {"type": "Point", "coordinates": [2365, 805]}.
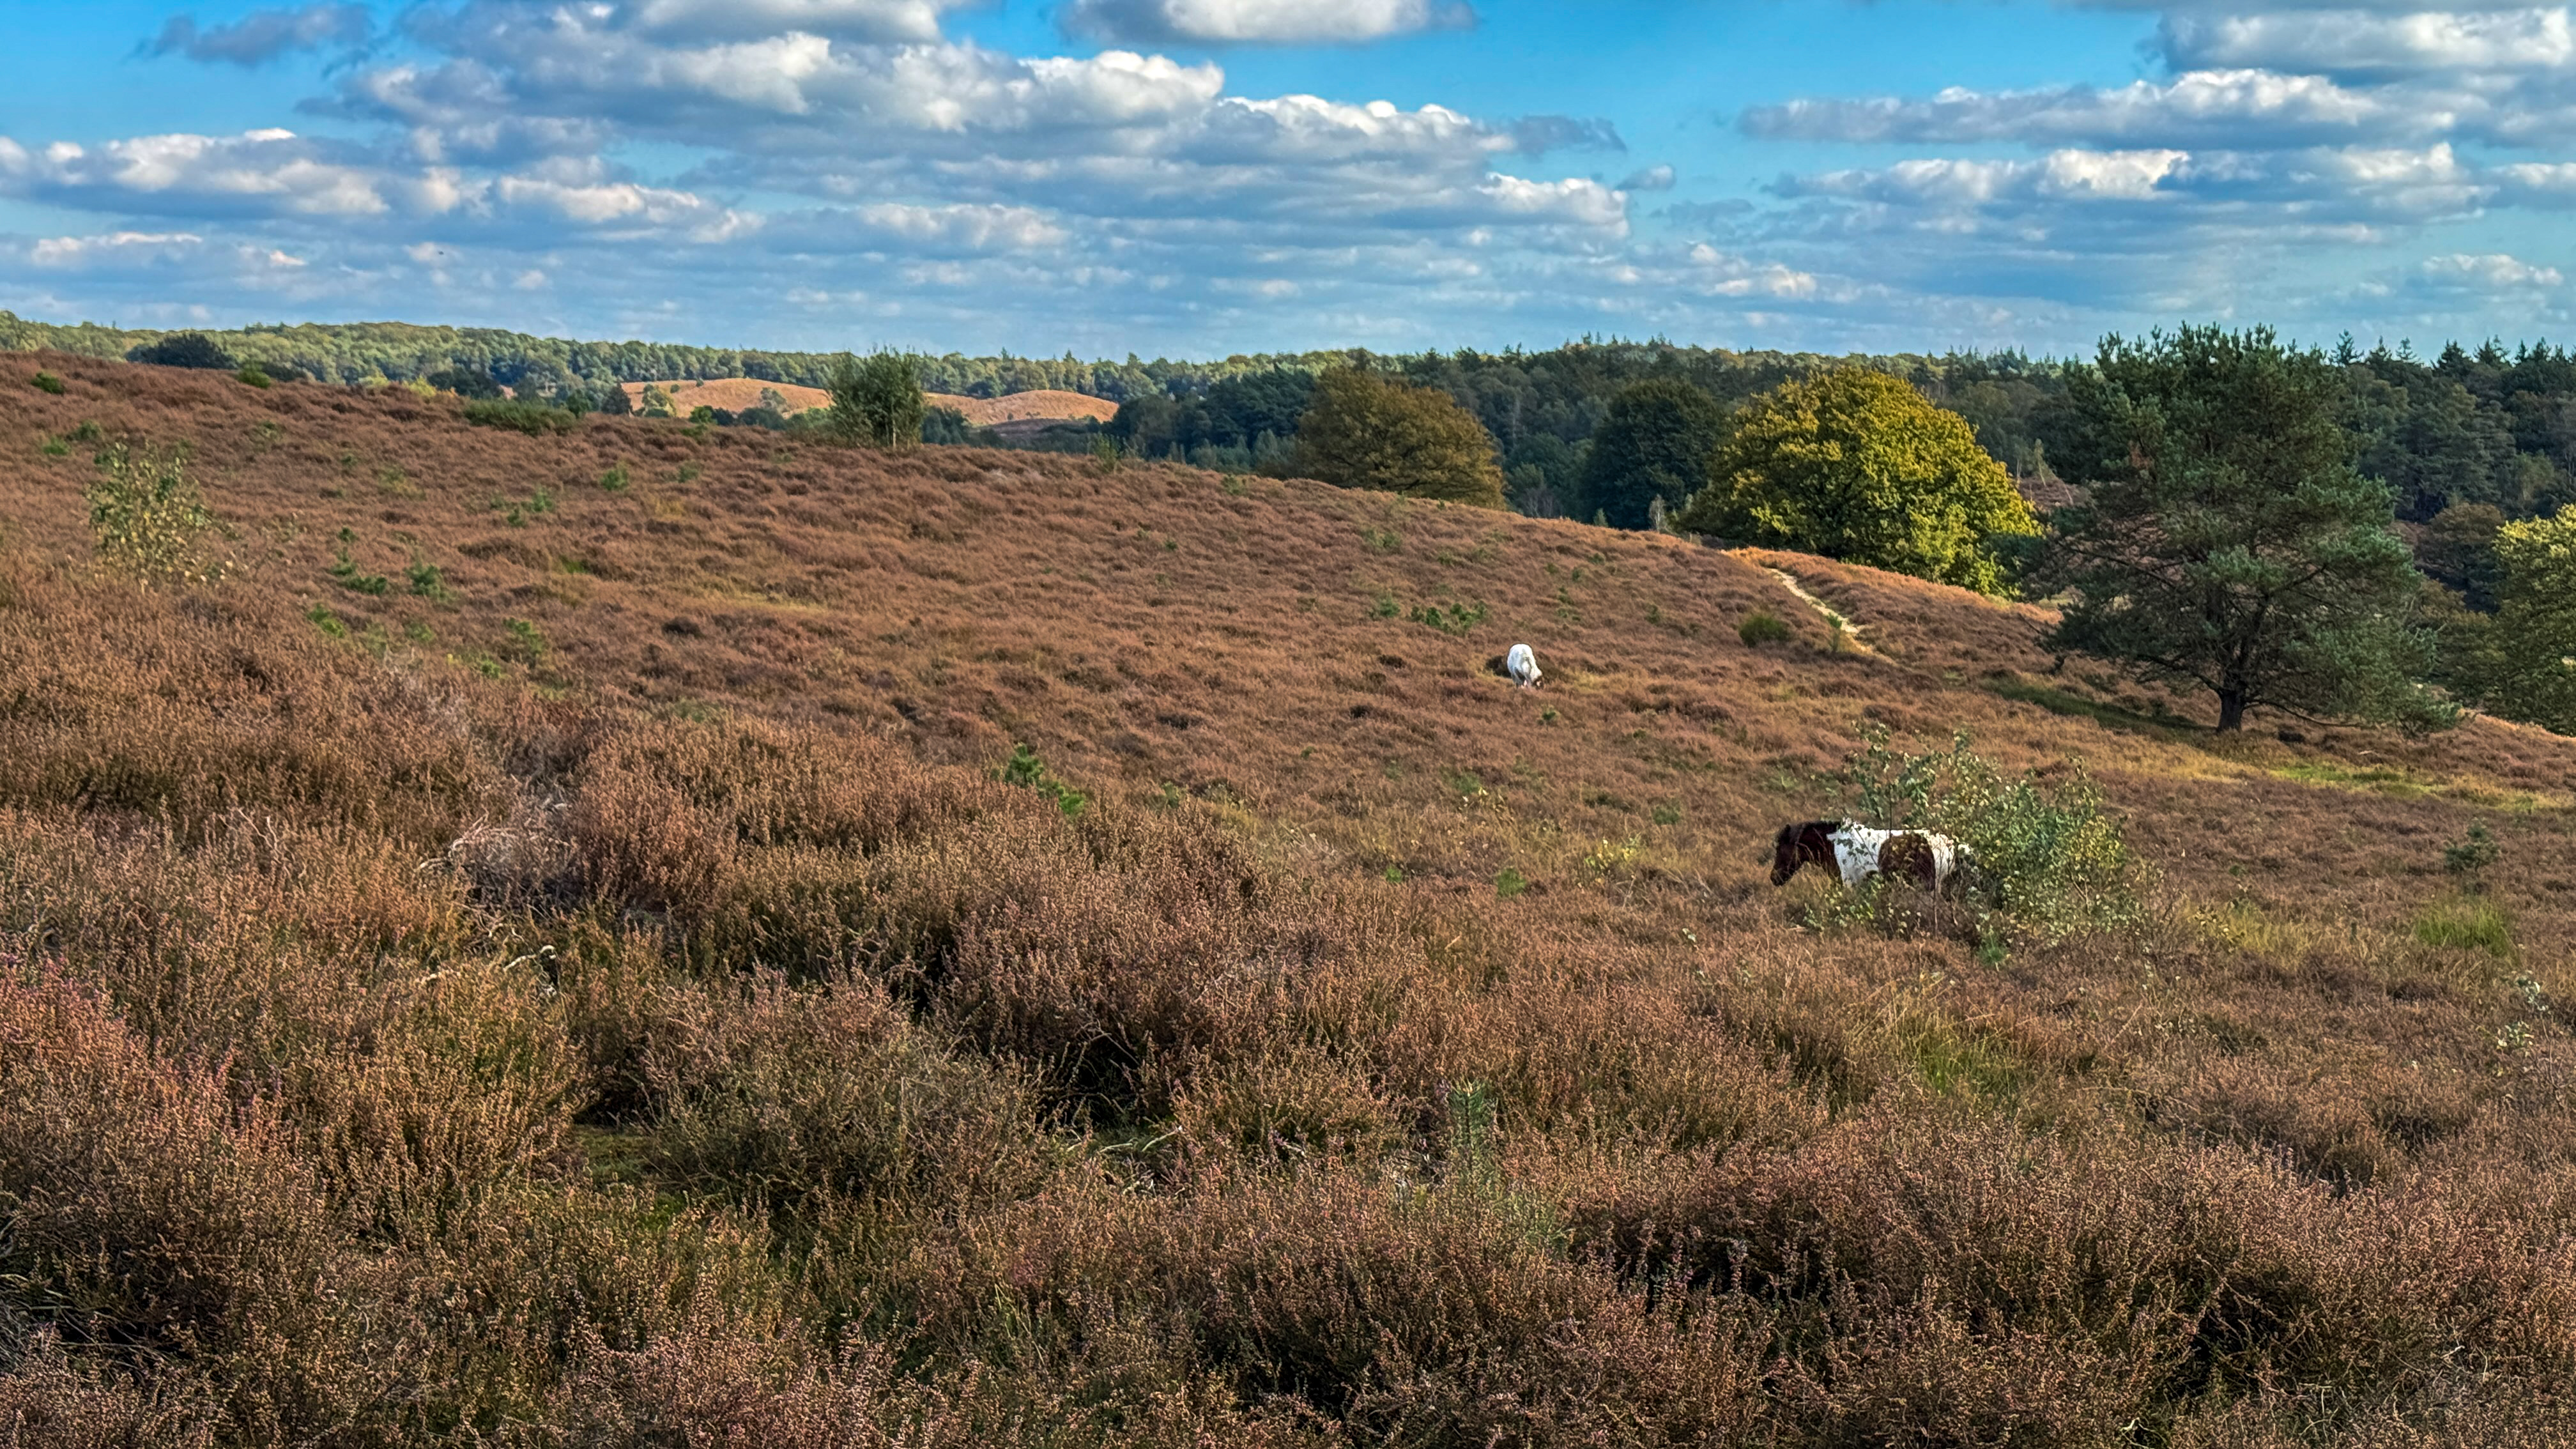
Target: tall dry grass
{"type": "Point", "coordinates": [660, 1025]}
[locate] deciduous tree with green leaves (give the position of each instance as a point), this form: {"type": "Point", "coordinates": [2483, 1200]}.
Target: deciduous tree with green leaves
{"type": "Point", "coordinates": [1857, 465]}
{"type": "Point", "coordinates": [877, 400]}
{"type": "Point", "coordinates": [1365, 430]}
{"type": "Point", "coordinates": [1655, 443]}
{"type": "Point", "coordinates": [2228, 541]}
{"type": "Point", "coordinates": [2524, 659]}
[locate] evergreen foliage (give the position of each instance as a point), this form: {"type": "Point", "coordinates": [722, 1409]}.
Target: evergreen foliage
{"type": "Point", "coordinates": [185, 349]}
{"type": "Point", "coordinates": [465, 382]}
{"type": "Point", "coordinates": [2458, 550]}
{"type": "Point", "coordinates": [2228, 541]}
{"type": "Point", "coordinates": [1858, 465]}
{"type": "Point", "coordinates": [534, 419]}
{"type": "Point", "coordinates": [1654, 444]}
{"type": "Point", "coordinates": [1366, 430]}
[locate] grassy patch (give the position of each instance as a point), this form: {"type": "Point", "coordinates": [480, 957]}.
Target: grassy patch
{"type": "Point", "coordinates": [2376, 778]}
{"type": "Point", "coordinates": [1953, 1062]}
{"type": "Point", "coordinates": [2467, 923]}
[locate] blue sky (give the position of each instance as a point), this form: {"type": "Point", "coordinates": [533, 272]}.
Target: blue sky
{"type": "Point", "coordinates": [1200, 177]}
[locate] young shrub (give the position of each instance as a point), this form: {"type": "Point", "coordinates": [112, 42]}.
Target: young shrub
{"type": "Point", "coordinates": [47, 382]}
{"type": "Point", "coordinates": [2472, 856]}
{"type": "Point", "coordinates": [1026, 770]}
{"type": "Point", "coordinates": [253, 376]}
{"type": "Point", "coordinates": [534, 419]}
{"type": "Point", "coordinates": [527, 642]}
{"type": "Point", "coordinates": [1762, 627]}
{"type": "Point", "coordinates": [428, 582]}
{"type": "Point", "coordinates": [2047, 855]}
{"type": "Point", "coordinates": [345, 571]}
{"type": "Point", "coordinates": [148, 516]}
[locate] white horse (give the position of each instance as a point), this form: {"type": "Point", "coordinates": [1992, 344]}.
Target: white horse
{"type": "Point", "coordinates": [1523, 665]}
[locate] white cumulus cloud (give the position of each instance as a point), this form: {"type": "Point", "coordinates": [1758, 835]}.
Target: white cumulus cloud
{"type": "Point", "coordinates": [2354, 41]}
{"type": "Point", "coordinates": [1260, 22]}
{"type": "Point", "coordinates": [2491, 272]}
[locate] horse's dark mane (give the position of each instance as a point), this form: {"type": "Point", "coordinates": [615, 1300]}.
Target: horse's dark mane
{"type": "Point", "coordinates": [1792, 839]}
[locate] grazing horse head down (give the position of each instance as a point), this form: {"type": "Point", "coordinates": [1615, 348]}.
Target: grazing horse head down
{"type": "Point", "coordinates": [1810, 843]}
{"type": "Point", "coordinates": [1522, 664]}
{"type": "Point", "coordinates": [1854, 853]}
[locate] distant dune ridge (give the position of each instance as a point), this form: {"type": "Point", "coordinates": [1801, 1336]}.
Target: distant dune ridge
{"type": "Point", "coordinates": [736, 394]}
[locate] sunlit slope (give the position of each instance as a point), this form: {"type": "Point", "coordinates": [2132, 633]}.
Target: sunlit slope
{"type": "Point", "coordinates": [1309, 652]}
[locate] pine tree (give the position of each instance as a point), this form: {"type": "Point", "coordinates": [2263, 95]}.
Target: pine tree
{"type": "Point", "coordinates": [2228, 541]}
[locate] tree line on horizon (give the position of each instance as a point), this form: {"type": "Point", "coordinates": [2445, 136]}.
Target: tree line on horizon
{"type": "Point", "coordinates": [2480, 426]}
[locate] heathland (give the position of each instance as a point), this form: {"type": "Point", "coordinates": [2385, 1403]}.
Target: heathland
{"type": "Point", "coordinates": [665, 934]}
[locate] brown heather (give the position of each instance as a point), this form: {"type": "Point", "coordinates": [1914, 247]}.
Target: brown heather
{"type": "Point", "coordinates": [519, 961]}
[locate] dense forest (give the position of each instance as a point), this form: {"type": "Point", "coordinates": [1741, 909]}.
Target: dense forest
{"type": "Point", "coordinates": [2490, 432]}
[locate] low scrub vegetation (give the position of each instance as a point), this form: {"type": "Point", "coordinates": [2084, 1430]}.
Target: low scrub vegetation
{"type": "Point", "coordinates": [681, 1001]}
{"type": "Point", "coordinates": [534, 419]}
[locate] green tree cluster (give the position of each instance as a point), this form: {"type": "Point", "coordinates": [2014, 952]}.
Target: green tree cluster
{"type": "Point", "coordinates": [1367, 430]}
{"type": "Point", "coordinates": [1858, 465]}
{"type": "Point", "coordinates": [1239, 424]}
{"type": "Point", "coordinates": [877, 401]}
{"type": "Point", "coordinates": [2521, 664]}
{"type": "Point", "coordinates": [2475, 426]}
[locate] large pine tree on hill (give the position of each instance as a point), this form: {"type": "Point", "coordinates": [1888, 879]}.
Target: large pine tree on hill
{"type": "Point", "coordinates": [2228, 540]}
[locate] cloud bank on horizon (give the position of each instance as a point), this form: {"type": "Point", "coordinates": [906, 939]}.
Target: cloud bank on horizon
{"type": "Point", "coordinates": [1196, 177]}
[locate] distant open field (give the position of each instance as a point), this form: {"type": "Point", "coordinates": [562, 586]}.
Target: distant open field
{"type": "Point", "coordinates": [734, 394]}
{"type": "Point", "coordinates": [550, 949]}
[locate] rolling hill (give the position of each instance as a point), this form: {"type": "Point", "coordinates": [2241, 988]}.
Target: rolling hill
{"type": "Point", "coordinates": [734, 394]}
{"type": "Point", "coordinates": [558, 935]}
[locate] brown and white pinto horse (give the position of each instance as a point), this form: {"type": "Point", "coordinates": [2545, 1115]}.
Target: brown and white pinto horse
{"type": "Point", "coordinates": [1854, 853]}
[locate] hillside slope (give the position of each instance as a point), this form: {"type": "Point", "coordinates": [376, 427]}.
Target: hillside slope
{"type": "Point", "coordinates": [1377, 1054]}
